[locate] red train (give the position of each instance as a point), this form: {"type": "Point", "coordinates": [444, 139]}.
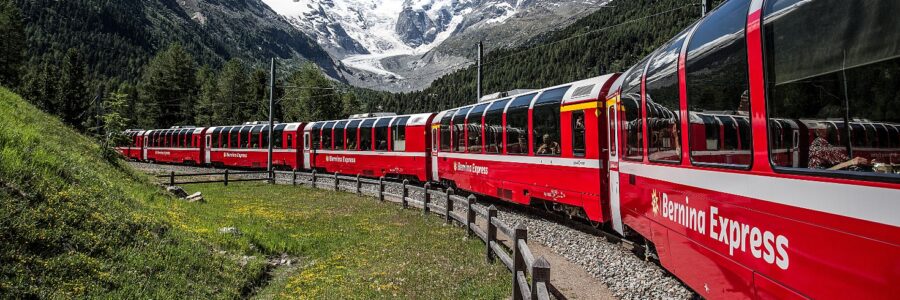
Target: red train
{"type": "Point", "coordinates": [756, 154]}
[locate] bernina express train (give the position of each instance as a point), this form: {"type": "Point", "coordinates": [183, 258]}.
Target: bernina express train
{"type": "Point", "coordinates": [756, 154]}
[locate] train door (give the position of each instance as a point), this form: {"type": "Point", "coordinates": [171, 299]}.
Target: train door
{"type": "Point", "coordinates": [435, 138]}
{"type": "Point", "coordinates": [146, 144]}
{"type": "Point", "coordinates": [307, 151]}
{"type": "Point", "coordinates": [207, 157]}
{"type": "Point", "coordinates": [612, 117]}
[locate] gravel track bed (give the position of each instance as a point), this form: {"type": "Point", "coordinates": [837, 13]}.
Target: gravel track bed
{"type": "Point", "coordinates": [626, 275]}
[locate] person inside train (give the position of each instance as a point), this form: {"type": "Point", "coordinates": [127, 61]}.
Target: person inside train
{"type": "Point", "coordinates": [548, 147]}
{"type": "Point", "coordinates": [521, 146]}
{"type": "Point", "coordinates": [824, 156]}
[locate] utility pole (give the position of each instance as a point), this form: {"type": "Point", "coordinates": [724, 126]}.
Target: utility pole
{"type": "Point", "coordinates": [704, 6]}
{"type": "Point", "coordinates": [480, 57]}
{"type": "Point", "coordinates": [271, 110]}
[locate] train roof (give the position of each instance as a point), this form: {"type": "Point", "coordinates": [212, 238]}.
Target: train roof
{"type": "Point", "coordinates": [414, 120]}
{"type": "Point", "coordinates": [591, 89]}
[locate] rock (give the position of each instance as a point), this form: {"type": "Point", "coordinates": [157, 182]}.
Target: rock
{"type": "Point", "coordinates": [195, 197]}
{"type": "Point", "coordinates": [229, 230]}
{"type": "Point", "coordinates": [177, 191]}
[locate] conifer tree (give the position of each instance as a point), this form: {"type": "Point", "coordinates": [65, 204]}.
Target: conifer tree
{"type": "Point", "coordinates": [168, 88]}
{"type": "Point", "coordinates": [207, 98]}
{"type": "Point", "coordinates": [311, 96]}
{"type": "Point", "coordinates": [12, 43]}
{"type": "Point", "coordinates": [72, 97]}
{"type": "Point", "coordinates": [234, 94]}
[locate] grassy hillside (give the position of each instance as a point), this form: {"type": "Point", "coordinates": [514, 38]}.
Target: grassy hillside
{"type": "Point", "coordinates": [74, 223]}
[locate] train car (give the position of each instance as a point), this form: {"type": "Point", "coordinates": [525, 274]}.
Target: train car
{"type": "Point", "coordinates": [246, 146]}
{"type": "Point", "coordinates": [533, 148]}
{"type": "Point", "coordinates": [131, 146]}
{"type": "Point", "coordinates": [390, 146]}
{"type": "Point", "coordinates": [179, 145]}
{"type": "Point", "coordinates": [788, 187]}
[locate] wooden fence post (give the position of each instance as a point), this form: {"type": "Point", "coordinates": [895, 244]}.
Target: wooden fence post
{"type": "Point", "coordinates": [448, 193]}
{"type": "Point", "coordinates": [337, 182]}
{"type": "Point", "coordinates": [519, 233]}
{"type": "Point", "coordinates": [226, 177]}
{"type": "Point", "coordinates": [358, 186]}
{"type": "Point", "coordinates": [314, 178]}
{"type": "Point", "coordinates": [381, 188]}
{"type": "Point", "coordinates": [172, 178]}
{"type": "Point", "coordinates": [404, 194]}
{"type": "Point", "coordinates": [470, 218]}
{"type": "Point", "coordinates": [272, 177]}
{"type": "Point", "coordinates": [540, 272]}
{"type": "Point", "coordinates": [491, 233]}
{"type": "Point", "coordinates": [294, 177]}
{"type": "Point", "coordinates": [427, 199]}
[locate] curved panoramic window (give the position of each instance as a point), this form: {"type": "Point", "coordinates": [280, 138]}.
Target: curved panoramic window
{"type": "Point", "coordinates": [445, 131]}
{"type": "Point", "coordinates": [316, 134]}
{"type": "Point", "coordinates": [832, 72]}
{"type": "Point", "coordinates": [459, 126]}
{"type": "Point", "coordinates": [398, 134]}
{"type": "Point", "coordinates": [633, 125]}
{"type": "Point", "coordinates": [473, 127]}
{"type": "Point", "coordinates": [717, 87]}
{"type": "Point", "coordinates": [233, 137]}
{"type": "Point", "coordinates": [517, 125]}
{"type": "Point", "coordinates": [352, 135]}
{"type": "Point", "coordinates": [339, 135]}
{"type": "Point", "coordinates": [547, 130]}
{"type": "Point", "coordinates": [278, 137]}
{"type": "Point", "coordinates": [245, 137]}
{"type": "Point", "coordinates": [327, 131]}
{"type": "Point", "coordinates": [255, 137]}
{"type": "Point", "coordinates": [663, 103]}
{"type": "Point", "coordinates": [493, 127]}
{"type": "Point", "coordinates": [365, 135]}
{"type": "Point", "coordinates": [381, 134]}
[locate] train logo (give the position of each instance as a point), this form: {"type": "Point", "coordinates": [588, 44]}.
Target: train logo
{"type": "Point", "coordinates": [555, 195]}
{"type": "Point", "coordinates": [655, 202]}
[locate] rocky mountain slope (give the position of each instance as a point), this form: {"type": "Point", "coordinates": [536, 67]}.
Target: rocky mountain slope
{"type": "Point", "coordinates": [404, 45]}
{"type": "Point", "coordinates": [119, 37]}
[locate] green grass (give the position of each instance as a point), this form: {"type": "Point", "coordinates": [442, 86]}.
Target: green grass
{"type": "Point", "coordinates": [349, 247]}
{"type": "Point", "coordinates": [76, 223]}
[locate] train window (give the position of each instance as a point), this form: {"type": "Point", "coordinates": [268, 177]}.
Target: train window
{"type": "Point", "coordinates": [398, 134]}
{"type": "Point", "coordinates": [327, 136]}
{"type": "Point", "coordinates": [233, 137]}
{"type": "Point", "coordinates": [316, 134]}
{"type": "Point", "coordinates": [352, 136]}
{"type": "Point", "coordinates": [290, 141]}
{"type": "Point", "coordinates": [245, 138]}
{"type": "Point", "coordinates": [339, 135]}
{"type": "Point", "coordinates": [473, 127]}
{"type": "Point", "coordinates": [517, 125]}
{"type": "Point", "coordinates": [718, 88]}
{"type": "Point", "coordinates": [445, 131]}
{"type": "Point", "coordinates": [547, 130]}
{"type": "Point", "coordinates": [278, 137]}
{"type": "Point", "coordinates": [633, 123]}
{"type": "Point", "coordinates": [255, 135]}
{"type": "Point", "coordinates": [188, 135]}
{"type": "Point", "coordinates": [578, 134]}
{"type": "Point", "coordinates": [459, 136]}
{"type": "Point", "coordinates": [264, 136]}
{"type": "Point", "coordinates": [663, 102]}
{"type": "Point", "coordinates": [381, 134]}
{"type": "Point", "coordinates": [493, 127]}
{"type": "Point", "coordinates": [365, 135]}
{"type": "Point", "coordinates": [833, 109]}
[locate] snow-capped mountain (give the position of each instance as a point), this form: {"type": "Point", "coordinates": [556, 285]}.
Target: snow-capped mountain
{"type": "Point", "coordinates": [399, 41]}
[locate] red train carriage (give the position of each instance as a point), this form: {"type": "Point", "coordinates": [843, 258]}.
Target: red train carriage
{"type": "Point", "coordinates": [789, 186]}
{"type": "Point", "coordinates": [247, 146]}
{"type": "Point", "coordinates": [390, 146]}
{"type": "Point", "coordinates": [529, 148]}
{"type": "Point", "coordinates": [180, 145]}
{"type": "Point", "coordinates": [132, 145]}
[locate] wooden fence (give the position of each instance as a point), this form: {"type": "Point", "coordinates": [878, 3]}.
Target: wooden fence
{"type": "Point", "coordinates": [516, 256]}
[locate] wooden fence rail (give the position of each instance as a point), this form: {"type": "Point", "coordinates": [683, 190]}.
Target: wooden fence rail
{"type": "Point", "coordinates": [516, 256]}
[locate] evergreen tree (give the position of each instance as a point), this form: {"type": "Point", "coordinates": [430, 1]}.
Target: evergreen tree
{"type": "Point", "coordinates": [168, 88]}
{"type": "Point", "coordinates": [72, 97]}
{"type": "Point", "coordinates": [207, 99]}
{"type": "Point", "coordinates": [234, 95]}
{"type": "Point", "coordinates": [114, 118]}
{"type": "Point", "coordinates": [12, 43]}
{"type": "Point", "coordinates": [259, 81]}
{"type": "Point", "coordinates": [39, 86]}
{"type": "Point", "coordinates": [311, 96]}
{"type": "Point", "coordinates": [351, 104]}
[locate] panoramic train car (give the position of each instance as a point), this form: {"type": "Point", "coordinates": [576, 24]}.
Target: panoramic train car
{"type": "Point", "coordinates": [178, 145]}
{"type": "Point", "coordinates": [247, 146]}
{"type": "Point", "coordinates": [789, 186]}
{"type": "Point", "coordinates": [132, 145]}
{"type": "Point", "coordinates": [387, 145]}
{"type": "Point", "coordinates": [537, 147]}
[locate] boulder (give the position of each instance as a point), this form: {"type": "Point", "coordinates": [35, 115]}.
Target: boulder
{"type": "Point", "coordinates": [229, 230]}
{"type": "Point", "coordinates": [195, 197]}
{"type": "Point", "coordinates": [177, 191]}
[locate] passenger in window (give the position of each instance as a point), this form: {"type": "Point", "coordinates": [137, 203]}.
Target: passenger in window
{"type": "Point", "coordinates": [579, 123]}
{"type": "Point", "coordinates": [548, 147]}
{"type": "Point", "coordinates": [823, 155]}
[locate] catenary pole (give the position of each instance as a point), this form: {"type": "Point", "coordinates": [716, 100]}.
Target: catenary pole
{"type": "Point", "coordinates": [271, 110]}
{"type": "Point", "coordinates": [480, 56]}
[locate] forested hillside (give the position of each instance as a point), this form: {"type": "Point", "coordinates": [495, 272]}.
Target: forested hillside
{"type": "Point", "coordinates": [610, 40]}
